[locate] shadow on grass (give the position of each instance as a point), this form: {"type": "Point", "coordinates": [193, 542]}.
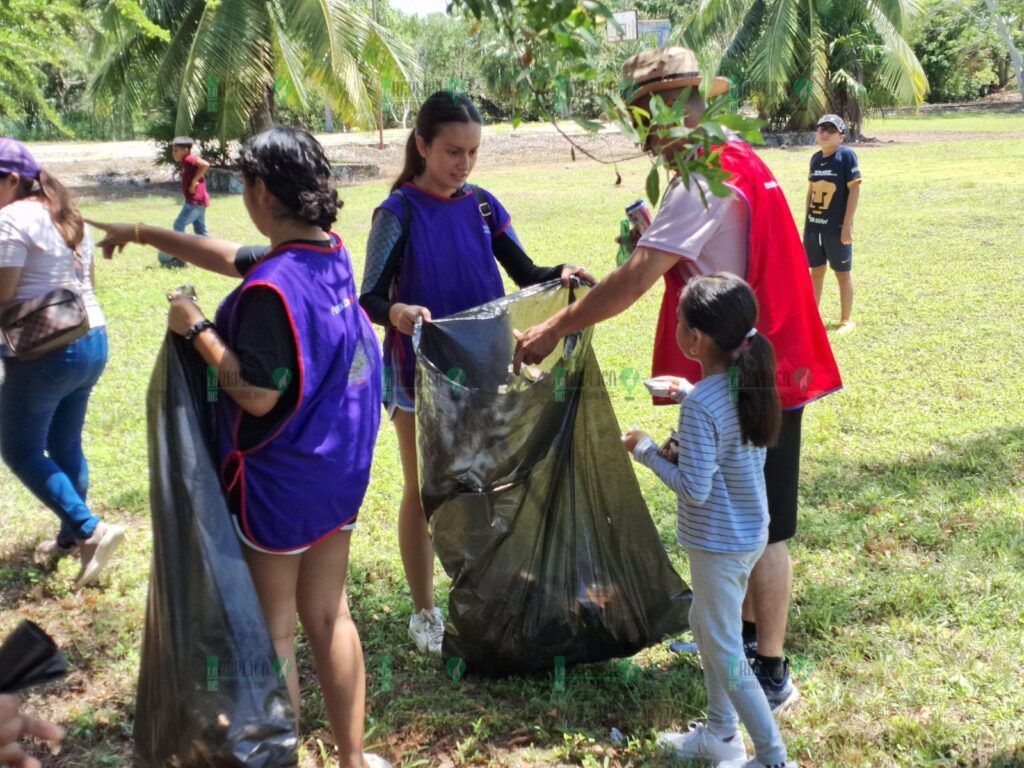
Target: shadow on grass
{"type": "Point", "coordinates": [1014, 759]}
{"type": "Point", "coordinates": [955, 473]}
{"type": "Point", "coordinates": [22, 580]}
{"type": "Point", "coordinates": [900, 531]}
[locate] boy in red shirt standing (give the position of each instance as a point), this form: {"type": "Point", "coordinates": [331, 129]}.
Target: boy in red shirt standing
{"type": "Point", "coordinates": [193, 187]}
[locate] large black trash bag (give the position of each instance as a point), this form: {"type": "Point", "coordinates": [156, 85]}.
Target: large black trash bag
{"type": "Point", "coordinates": [534, 509]}
{"type": "Point", "coordinates": [209, 689]}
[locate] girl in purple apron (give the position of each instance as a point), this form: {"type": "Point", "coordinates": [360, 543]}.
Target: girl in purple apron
{"type": "Point", "coordinates": [298, 366]}
{"type": "Point", "coordinates": [434, 250]}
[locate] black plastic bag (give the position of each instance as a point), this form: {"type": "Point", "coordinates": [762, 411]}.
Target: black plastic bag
{"type": "Point", "coordinates": [534, 509]}
{"type": "Point", "coordinates": [28, 657]}
{"type": "Point", "coordinates": [209, 692]}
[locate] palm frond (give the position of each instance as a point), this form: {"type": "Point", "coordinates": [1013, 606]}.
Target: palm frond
{"type": "Point", "coordinates": [774, 56]}
{"type": "Point", "coordinates": [901, 74]}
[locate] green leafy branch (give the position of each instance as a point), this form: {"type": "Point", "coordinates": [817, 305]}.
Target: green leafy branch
{"type": "Point", "coordinates": [556, 44]}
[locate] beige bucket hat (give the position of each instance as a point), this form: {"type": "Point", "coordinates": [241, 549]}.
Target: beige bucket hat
{"type": "Point", "coordinates": [664, 69]}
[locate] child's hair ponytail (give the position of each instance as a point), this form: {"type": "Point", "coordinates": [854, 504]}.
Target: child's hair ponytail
{"type": "Point", "coordinates": [724, 307]}
{"type": "Point", "coordinates": [758, 399]}
{"type": "Point", "coordinates": [442, 107]}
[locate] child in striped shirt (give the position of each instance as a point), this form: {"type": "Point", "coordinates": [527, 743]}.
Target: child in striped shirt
{"type": "Point", "coordinates": [725, 424]}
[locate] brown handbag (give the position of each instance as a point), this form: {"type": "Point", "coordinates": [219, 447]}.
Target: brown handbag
{"type": "Point", "coordinates": [36, 327]}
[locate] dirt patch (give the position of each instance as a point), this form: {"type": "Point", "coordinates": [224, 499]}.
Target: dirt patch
{"type": "Point", "coordinates": [100, 171]}
{"type": "Point", "coordinates": [105, 171]}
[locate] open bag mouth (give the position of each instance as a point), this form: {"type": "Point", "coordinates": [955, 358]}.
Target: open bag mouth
{"type": "Point", "coordinates": [472, 351]}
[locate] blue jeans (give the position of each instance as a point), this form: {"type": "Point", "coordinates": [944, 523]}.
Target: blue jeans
{"type": "Point", "coordinates": [190, 215]}
{"type": "Point", "coordinates": [42, 412]}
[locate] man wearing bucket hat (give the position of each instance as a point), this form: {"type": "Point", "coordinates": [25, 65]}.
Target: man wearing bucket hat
{"type": "Point", "coordinates": [751, 234]}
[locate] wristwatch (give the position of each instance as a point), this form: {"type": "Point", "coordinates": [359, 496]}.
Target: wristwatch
{"type": "Point", "coordinates": [197, 328]}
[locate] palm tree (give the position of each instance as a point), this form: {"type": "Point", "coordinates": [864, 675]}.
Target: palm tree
{"type": "Point", "coordinates": [796, 59]}
{"type": "Point", "coordinates": [36, 40]}
{"type": "Point", "coordinates": [233, 57]}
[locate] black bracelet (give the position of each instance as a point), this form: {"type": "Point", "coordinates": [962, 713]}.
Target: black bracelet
{"type": "Point", "coordinates": [197, 328]}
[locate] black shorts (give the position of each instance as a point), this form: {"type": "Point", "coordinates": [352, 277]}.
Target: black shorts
{"type": "Point", "coordinates": [782, 478]}
{"type": "Point", "coordinates": [825, 246]}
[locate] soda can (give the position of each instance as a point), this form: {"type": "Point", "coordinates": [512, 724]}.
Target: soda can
{"type": "Point", "coordinates": [639, 216]}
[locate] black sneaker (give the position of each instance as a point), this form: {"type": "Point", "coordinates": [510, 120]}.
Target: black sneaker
{"type": "Point", "coordinates": [779, 691]}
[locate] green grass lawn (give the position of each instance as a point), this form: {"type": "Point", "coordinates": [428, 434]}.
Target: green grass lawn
{"type": "Point", "coordinates": [987, 123]}
{"type": "Point", "coordinates": [906, 623]}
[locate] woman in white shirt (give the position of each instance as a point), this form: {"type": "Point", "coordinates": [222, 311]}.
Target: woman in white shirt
{"type": "Point", "coordinates": [45, 245]}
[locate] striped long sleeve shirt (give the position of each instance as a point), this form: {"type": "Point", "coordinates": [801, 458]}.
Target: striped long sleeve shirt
{"type": "Point", "coordinates": [718, 477]}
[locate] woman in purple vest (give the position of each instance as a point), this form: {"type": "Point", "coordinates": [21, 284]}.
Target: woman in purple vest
{"type": "Point", "coordinates": [434, 250]}
{"type": "Point", "coordinates": [300, 365]}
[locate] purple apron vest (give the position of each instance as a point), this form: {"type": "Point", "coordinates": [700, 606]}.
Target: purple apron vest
{"type": "Point", "coordinates": [308, 479]}
{"type": "Point", "coordinates": [448, 266]}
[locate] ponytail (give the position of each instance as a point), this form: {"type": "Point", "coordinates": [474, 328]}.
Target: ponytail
{"type": "Point", "coordinates": [414, 163]}
{"type": "Point", "coordinates": [442, 107]}
{"type": "Point", "coordinates": [63, 212]}
{"type": "Point", "coordinates": [724, 307]}
{"type": "Point", "coordinates": [758, 399]}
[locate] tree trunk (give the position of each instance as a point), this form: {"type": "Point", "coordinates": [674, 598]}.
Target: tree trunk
{"type": "Point", "coordinates": [329, 119]}
{"type": "Point", "coordinates": [379, 112]}
{"type": "Point", "coordinates": [263, 118]}
{"type": "Point", "coordinates": [1004, 33]}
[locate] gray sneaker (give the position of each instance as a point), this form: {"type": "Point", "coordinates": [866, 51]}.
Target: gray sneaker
{"type": "Point", "coordinates": [96, 551]}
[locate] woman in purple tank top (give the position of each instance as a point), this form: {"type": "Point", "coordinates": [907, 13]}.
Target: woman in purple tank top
{"type": "Point", "coordinates": [298, 364]}
{"type": "Point", "coordinates": [434, 250]}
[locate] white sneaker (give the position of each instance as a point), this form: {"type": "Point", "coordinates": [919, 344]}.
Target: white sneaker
{"type": "Point", "coordinates": [755, 763]}
{"type": "Point", "coordinates": [375, 761]}
{"type": "Point", "coordinates": [426, 629]}
{"type": "Point", "coordinates": [701, 744]}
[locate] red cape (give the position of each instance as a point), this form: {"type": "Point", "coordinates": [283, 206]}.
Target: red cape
{"type": "Point", "coordinates": [777, 271]}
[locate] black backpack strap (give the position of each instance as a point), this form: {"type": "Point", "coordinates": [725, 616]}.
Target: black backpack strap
{"type": "Point", "coordinates": [486, 210]}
